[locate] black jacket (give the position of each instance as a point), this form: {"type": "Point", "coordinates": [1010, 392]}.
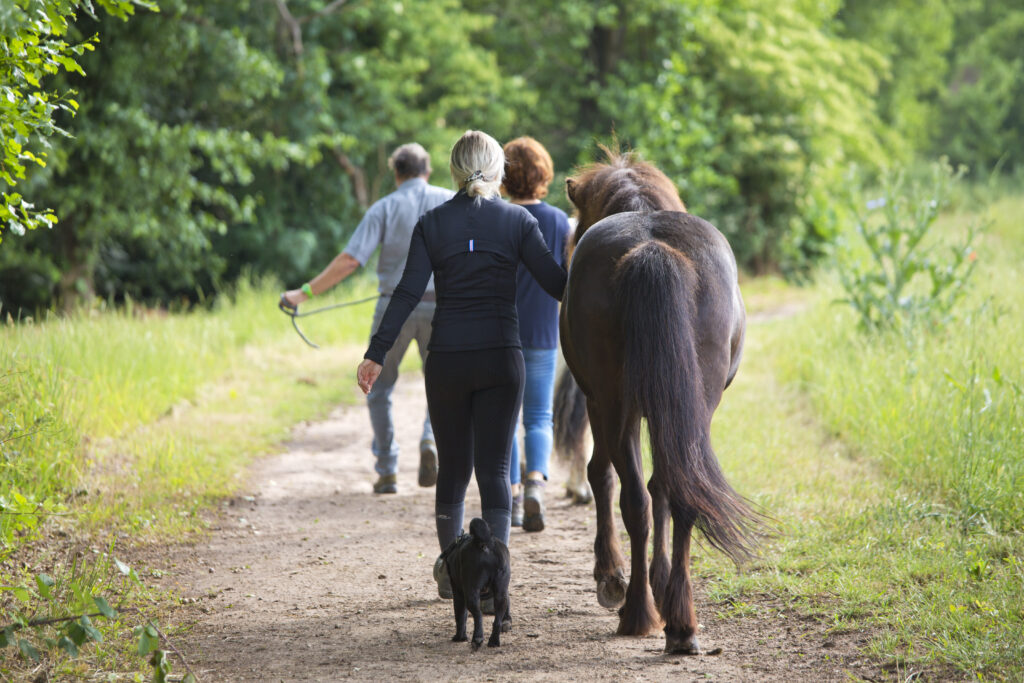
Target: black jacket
{"type": "Point", "coordinates": [473, 249]}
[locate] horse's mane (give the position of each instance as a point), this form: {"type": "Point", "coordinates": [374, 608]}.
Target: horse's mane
{"type": "Point", "coordinates": [622, 183]}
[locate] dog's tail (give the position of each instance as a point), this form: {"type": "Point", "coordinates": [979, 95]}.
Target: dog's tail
{"type": "Point", "coordinates": [481, 531]}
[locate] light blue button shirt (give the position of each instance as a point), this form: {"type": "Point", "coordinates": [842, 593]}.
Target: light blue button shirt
{"type": "Point", "coordinates": [389, 224]}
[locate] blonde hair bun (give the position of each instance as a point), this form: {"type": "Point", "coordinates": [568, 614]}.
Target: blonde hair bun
{"type": "Point", "coordinates": [478, 165]}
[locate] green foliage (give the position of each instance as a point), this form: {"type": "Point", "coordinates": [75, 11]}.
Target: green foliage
{"type": "Point", "coordinates": [904, 282]}
{"type": "Point", "coordinates": [55, 614]}
{"type": "Point", "coordinates": [983, 111]}
{"type": "Point", "coordinates": [753, 108]}
{"type": "Point", "coordinates": [218, 138]}
{"type": "Point", "coordinates": [35, 43]}
{"type": "Point", "coordinates": [913, 36]}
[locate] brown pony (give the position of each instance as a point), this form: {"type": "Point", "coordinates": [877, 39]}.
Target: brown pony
{"type": "Point", "coordinates": [652, 327]}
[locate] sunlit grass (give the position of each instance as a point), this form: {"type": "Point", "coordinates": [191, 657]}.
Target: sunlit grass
{"type": "Point", "coordinates": [128, 424]}
{"type": "Point", "coordinates": [893, 466]}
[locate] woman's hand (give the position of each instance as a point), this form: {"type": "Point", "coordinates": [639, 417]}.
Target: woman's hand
{"type": "Point", "coordinates": [366, 374]}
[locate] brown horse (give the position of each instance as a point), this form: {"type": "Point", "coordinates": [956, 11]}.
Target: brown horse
{"type": "Point", "coordinates": [652, 327]}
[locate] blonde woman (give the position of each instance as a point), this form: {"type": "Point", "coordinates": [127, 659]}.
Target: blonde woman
{"type": "Point", "coordinates": [472, 244]}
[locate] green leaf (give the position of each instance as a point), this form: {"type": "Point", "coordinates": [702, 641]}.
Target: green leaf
{"type": "Point", "coordinates": [104, 608]}
{"type": "Point", "coordinates": [44, 582]}
{"type": "Point", "coordinates": [68, 646]}
{"type": "Point", "coordinates": [76, 633]}
{"type": "Point", "coordinates": [90, 630]}
{"type": "Point", "coordinates": [147, 642]}
{"type": "Point", "coordinates": [6, 637]}
{"type": "Point", "coordinates": [27, 650]}
{"type": "Point", "coordinates": [22, 594]}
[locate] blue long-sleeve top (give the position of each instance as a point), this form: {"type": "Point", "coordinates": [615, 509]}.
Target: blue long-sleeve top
{"type": "Point", "coordinates": [473, 248]}
{"type": "Point", "coordinates": [538, 312]}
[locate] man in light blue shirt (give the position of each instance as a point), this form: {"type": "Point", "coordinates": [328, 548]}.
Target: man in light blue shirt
{"type": "Point", "coordinates": [388, 224]}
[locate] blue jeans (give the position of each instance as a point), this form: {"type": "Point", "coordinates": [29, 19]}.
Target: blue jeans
{"type": "Point", "coordinates": [417, 327]}
{"type": "Point", "coordinates": [537, 397]}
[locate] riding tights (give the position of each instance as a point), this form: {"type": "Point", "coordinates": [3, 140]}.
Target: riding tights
{"type": "Point", "coordinates": [474, 398]}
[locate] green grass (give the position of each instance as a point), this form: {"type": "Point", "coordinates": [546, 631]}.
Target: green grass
{"type": "Point", "coordinates": [894, 466]}
{"type": "Point", "coordinates": [126, 424]}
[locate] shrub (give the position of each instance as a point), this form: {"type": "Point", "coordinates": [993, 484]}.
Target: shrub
{"type": "Point", "coordinates": [907, 279]}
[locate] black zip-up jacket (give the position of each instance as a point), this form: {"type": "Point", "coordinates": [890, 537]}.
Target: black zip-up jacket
{"type": "Point", "coordinates": [473, 249]}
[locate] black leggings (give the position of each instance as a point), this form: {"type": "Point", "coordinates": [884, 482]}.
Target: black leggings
{"type": "Point", "coordinates": [474, 398]}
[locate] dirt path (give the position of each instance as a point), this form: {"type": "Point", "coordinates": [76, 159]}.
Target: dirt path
{"type": "Point", "coordinates": [311, 577]}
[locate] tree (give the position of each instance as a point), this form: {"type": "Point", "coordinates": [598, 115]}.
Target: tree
{"type": "Point", "coordinates": [752, 107]}
{"type": "Point", "coordinates": [33, 46]}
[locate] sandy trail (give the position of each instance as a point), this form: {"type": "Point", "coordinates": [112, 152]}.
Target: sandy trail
{"type": "Point", "coordinates": [311, 577]}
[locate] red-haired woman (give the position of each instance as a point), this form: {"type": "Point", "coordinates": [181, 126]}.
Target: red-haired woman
{"type": "Point", "coordinates": [528, 172]}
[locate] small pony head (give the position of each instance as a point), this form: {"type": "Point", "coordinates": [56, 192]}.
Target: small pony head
{"type": "Point", "coordinates": [624, 183]}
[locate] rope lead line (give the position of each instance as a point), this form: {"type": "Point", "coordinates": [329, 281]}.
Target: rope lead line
{"type": "Point", "coordinates": [293, 313]}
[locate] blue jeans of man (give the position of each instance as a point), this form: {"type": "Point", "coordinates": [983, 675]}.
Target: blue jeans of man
{"type": "Point", "coordinates": [537, 396]}
{"type": "Point", "coordinates": [417, 327]}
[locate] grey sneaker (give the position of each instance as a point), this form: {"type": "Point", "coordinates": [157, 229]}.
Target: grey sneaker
{"type": "Point", "coordinates": [428, 463]}
{"type": "Point", "coordinates": [444, 582]}
{"type": "Point", "coordinates": [517, 509]}
{"type": "Point", "coordinates": [386, 483]}
{"type": "Point", "coordinates": [533, 505]}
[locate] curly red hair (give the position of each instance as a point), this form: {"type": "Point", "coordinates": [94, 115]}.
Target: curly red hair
{"type": "Point", "coordinates": [528, 169]}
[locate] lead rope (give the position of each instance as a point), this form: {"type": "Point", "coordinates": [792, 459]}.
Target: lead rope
{"type": "Point", "coordinates": [293, 313]}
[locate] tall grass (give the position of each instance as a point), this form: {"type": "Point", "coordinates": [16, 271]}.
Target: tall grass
{"type": "Point", "coordinates": [943, 412]}
{"type": "Point", "coordinates": [932, 551]}
{"type": "Point", "coordinates": [72, 385]}
{"type": "Point", "coordinates": [132, 421]}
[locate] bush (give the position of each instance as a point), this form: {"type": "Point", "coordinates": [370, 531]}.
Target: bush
{"type": "Point", "coordinates": [907, 279]}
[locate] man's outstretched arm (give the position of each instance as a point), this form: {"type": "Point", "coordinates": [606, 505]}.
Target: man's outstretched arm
{"type": "Point", "coordinates": [343, 265]}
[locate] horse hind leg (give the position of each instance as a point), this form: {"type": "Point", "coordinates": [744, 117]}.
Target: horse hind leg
{"type": "Point", "coordinates": [609, 563]}
{"type": "Point", "coordinates": [639, 616]}
{"type": "Point", "coordinates": [677, 606]}
{"type": "Point", "coordinates": [660, 567]}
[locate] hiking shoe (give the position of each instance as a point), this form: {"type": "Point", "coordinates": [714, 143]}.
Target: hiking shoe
{"type": "Point", "coordinates": [444, 582]}
{"type": "Point", "coordinates": [428, 463]}
{"type": "Point", "coordinates": [533, 505]}
{"type": "Point", "coordinates": [517, 509]}
{"type": "Point", "coordinates": [386, 483]}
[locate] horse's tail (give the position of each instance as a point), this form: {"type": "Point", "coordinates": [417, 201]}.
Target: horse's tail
{"type": "Point", "coordinates": [656, 285]}
{"type": "Point", "coordinates": [569, 417]}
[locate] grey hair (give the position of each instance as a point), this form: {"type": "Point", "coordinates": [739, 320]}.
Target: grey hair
{"type": "Point", "coordinates": [478, 165]}
{"type": "Point", "coordinates": [410, 161]}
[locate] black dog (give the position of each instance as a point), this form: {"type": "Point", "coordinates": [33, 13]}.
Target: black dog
{"type": "Point", "coordinates": [479, 563]}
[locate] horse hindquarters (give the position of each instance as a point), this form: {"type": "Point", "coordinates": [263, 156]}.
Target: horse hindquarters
{"type": "Point", "coordinates": [657, 286]}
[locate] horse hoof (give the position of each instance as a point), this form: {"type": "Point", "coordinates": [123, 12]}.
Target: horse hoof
{"type": "Point", "coordinates": [674, 645]}
{"type": "Point", "coordinates": [476, 644]}
{"type": "Point", "coordinates": [582, 495]}
{"type": "Point", "coordinates": [459, 639]}
{"type": "Point", "coordinates": [611, 590]}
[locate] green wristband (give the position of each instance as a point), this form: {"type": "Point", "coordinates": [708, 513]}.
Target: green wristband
{"type": "Point", "coordinates": [307, 290]}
